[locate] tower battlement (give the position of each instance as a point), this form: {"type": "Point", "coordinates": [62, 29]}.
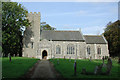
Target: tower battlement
{"type": "Point", "coordinates": [34, 13]}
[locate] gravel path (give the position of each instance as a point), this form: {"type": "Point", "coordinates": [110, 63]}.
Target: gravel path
{"type": "Point", "coordinates": [45, 69]}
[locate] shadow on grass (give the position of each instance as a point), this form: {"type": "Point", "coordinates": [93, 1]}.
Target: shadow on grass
{"type": "Point", "coordinates": [66, 68]}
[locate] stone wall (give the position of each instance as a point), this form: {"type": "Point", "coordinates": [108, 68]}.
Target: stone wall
{"type": "Point", "coordinates": [32, 36]}
{"type": "Point", "coordinates": [94, 53]}
{"type": "Point", "coordinates": [33, 47]}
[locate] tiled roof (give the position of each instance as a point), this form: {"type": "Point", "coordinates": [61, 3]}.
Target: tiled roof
{"type": "Point", "coordinates": [97, 39]}
{"type": "Point", "coordinates": [62, 35]}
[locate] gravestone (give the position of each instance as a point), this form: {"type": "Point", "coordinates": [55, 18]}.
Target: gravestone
{"type": "Point", "coordinates": [119, 60]}
{"type": "Point", "coordinates": [90, 58]}
{"type": "Point", "coordinates": [95, 71]}
{"type": "Point", "coordinates": [53, 57]}
{"type": "Point", "coordinates": [17, 55]}
{"type": "Point", "coordinates": [103, 59]}
{"type": "Point", "coordinates": [109, 66]}
{"type": "Point", "coordinates": [69, 59]}
{"type": "Point", "coordinates": [14, 55]}
{"type": "Point", "coordinates": [99, 69]}
{"type": "Point", "coordinates": [75, 65]}
{"type": "Point", "coordinates": [9, 57]}
{"type": "Point", "coordinates": [83, 71]}
{"type": "Point", "coordinates": [64, 57]}
{"type": "Point", "coordinates": [104, 65]}
{"type": "Point", "coordinates": [57, 61]}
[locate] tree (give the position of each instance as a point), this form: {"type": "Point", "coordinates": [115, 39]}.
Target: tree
{"type": "Point", "coordinates": [112, 34]}
{"type": "Point", "coordinates": [47, 27]}
{"type": "Point", "coordinates": [13, 20]}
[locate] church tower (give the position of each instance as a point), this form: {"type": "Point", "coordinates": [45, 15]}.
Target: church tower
{"type": "Point", "coordinates": [32, 36]}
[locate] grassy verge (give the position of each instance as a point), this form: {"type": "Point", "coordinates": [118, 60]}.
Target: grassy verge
{"type": "Point", "coordinates": [66, 69]}
{"type": "Point", "coordinates": [17, 67]}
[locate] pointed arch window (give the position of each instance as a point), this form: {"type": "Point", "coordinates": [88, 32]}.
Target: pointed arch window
{"type": "Point", "coordinates": [70, 49]}
{"type": "Point", "coordinates": [88, 49]}
{"type": "Point", "coordinates": [99, 50]}
{"type": "Point", "coordinates": [58, 49]}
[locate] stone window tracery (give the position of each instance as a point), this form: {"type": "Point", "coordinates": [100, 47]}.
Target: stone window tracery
{"type": "Point", "coordinates": [58, 49]}
{"type": "Point", "coordinates": [88, 49]}
{"type": "Point", "coordinates": [70, 49]}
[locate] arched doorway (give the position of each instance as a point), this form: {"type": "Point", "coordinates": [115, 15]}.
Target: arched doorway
{"type": "Point", "coordinates": [44, 54]}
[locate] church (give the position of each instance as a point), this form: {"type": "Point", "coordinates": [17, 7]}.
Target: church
{"type": "Point", "coordinates": [47, 44]}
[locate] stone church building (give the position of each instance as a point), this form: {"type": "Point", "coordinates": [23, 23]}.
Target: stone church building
{"type": "Point", "coordinates": [47, 44]}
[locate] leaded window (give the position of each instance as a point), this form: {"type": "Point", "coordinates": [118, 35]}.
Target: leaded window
{"type": "Point", "coordinates": [70, 49]}
{"type": "Point", "coordinates": [99, 50]}
{"type": "Point", "coordinates": [88, 50]}
{"type": "Point", "coordinates": [58, 49]}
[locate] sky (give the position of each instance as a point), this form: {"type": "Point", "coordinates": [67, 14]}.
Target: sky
{"type": "Point", "coordinates": [90, 17]}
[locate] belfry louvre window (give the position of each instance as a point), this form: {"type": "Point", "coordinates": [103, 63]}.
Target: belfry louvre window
{"type": "Point", "coordinates": [70, 49]}
{"type": "Point", "coordinates": [58, 49]}
{"type": "Point", "coordinates": [88, 50]}
{"type": "Point", "coordinates": [99, 50]}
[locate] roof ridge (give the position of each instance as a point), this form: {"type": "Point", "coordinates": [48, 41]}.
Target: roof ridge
{"type": "Point", "coordinates": [61, 30]}
{"type": "Point", "coordinates": [92, 35]}
{"type": "Point", "coordinates": [64, 31]}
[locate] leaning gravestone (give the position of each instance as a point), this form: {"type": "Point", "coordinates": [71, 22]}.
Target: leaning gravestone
{"type": "Point", "coordinates": [75, 65]}
{"type": "Point", "coordinates": [95, 71]}
{"type": "Point", "coordinates": [109, 66]}
{"type": "Point", "coordinates": [69, 59]}
{"type": "Point", "coordinates": [104, 65]}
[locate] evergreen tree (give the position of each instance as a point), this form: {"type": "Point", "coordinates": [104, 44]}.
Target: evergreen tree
{"type": "Point", "coordinates": [112, 34]}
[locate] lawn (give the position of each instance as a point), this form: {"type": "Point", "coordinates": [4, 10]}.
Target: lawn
{"type": "Point", "coordinates": [66, 69]}
{"type": "Point", "coordinates": [17, 67]}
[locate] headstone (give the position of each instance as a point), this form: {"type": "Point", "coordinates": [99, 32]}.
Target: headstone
{"type": "Point", "coordinates": [57, 61]}
{"type": "Point", "coordinates": [69, 59]}
{"type": "Point", "coordinates": [99, 69]}
{"type": "Point", "coordinates": [75, 65]}
{"type": "Point", "coordinates": [8, 55]}
{"type": "Point", "coordinates": [64, 57]}
{"type": "Point", "coordinates": [119, 60]}
{"type": "Point", "coordinates": [104, 65]}
{"type": "Point", "coordinates": [17, 55]}
{"type": "Point", "coordinates": [83, 71]}
{"type": "Point", "coordinates": [10, 58]}
{"type": "Point", "coordinates": [90, 58]}
{"type": "Point", "coordinates": [103, 59]}
{"type": "Point", "coordinates": [2, 55]}
{"type": "Point", "coordinates": [14, 55]}
{"type": "Point", "coordinates": [95, 71]}
{"type": "Point", "coordinates": [109, 66]}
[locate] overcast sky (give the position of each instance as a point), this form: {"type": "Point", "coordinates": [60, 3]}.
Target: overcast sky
{"type": "Point", "coordinates": [91, 17]}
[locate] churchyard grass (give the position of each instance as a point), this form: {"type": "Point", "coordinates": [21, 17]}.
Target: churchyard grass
{"type": "Point", "coordinates": [17, 67]}
{"type": "Point", "coordinates": [66, 69]}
